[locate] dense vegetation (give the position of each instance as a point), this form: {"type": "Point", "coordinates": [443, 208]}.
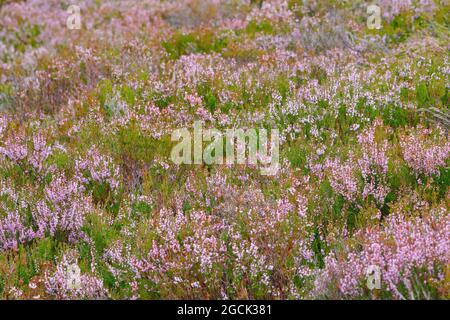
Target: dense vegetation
{"type": "Point", "coordinates": [86, 118]}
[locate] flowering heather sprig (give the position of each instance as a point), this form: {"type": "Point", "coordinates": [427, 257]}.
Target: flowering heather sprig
{"type": "Point", "coordinates": [342, 178]}
{"type": "Point", "coordinates": [374, 163]}
{"type": "Point", "coordinates": [90, 286]}
{"type": "Point", "coordinates": [13, 232]}
{"type": "Point", "coordinates": [224, 198]}
{"type": "Point", "coordinates": [17, 151]}
{"type": "Point", "coordinates": [118, 259]}
{"type": "Point", "coordinates": [405, 247]}
{"type": "Point", "coordinates": [374, 153]}
{"type": "Point", "coordinates": [39, 153]}
{"type": "Point", "coordinates": [100, 168]}
{"type": "Point", "coordinates": [64, 209]}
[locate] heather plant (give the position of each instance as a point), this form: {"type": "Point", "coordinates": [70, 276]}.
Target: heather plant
{"type": "Point", "coordinates": [93, 207]}
{"type": "Point", "coordinates": [13, 232]}
{"type": "Point", "coordinates": [409, 251]}
{"type": "Point", "coordinates": [90, 287]}
{"type": "Point", "coordinates": [424, 155]}
{"type": "Point", "coordinates": [63, 209]}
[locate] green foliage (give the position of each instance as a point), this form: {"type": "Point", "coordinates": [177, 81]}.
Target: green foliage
{"type": "Point", "coordinates": [6, 97]}
{"type": "Point", "coordinates": [254, 27]}
{"type": "Point", "coordinates": [198, 42]}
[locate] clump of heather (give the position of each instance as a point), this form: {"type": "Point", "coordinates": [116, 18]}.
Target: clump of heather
{"type": "Point", "coordinates": [371, 164]}
{"type": "Point", "coordinates": [411, 252]}
{"type": "Point", "coordinates": [188, 253]}
{"type": "Point", "coordinates": [374, 163]}
{"type": "Point", "coordinates": [58, 284]}
{"type": "Point", "coordinates": [32, 153]}
{"type": "Point", "coordinates": [97, 167]}
{"type": "Point", "coordinates": [63, 209]}
{"type": "Point", "coordinates": [342, 178]}
{"type": "Point", "coordinates": [188, 266]}
{"type": "Point", "coordinates": [423, 154]}
{"type": "Point", "coordinates": [40, 153]}
{"type": "Point", "coordinates": [13, 232]}
{"type": "Point", "coordinates": [14, 149]}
